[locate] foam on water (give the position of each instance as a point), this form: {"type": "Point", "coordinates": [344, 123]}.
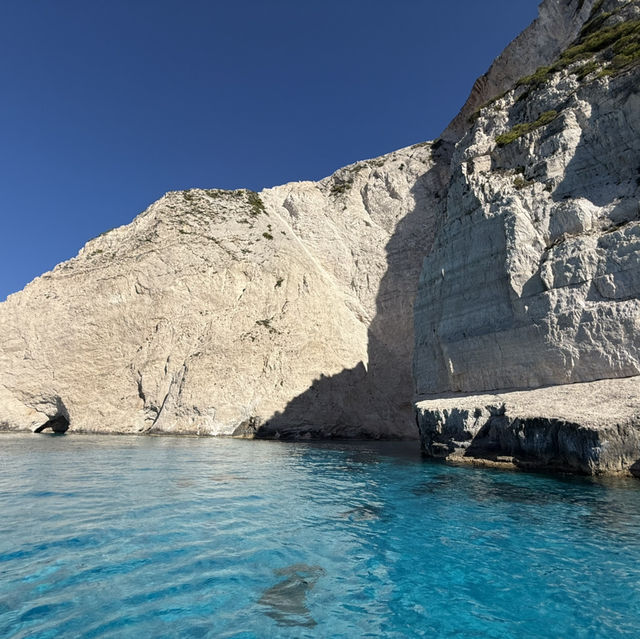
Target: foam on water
{"type": "Point", "coordinates": [156, 537]}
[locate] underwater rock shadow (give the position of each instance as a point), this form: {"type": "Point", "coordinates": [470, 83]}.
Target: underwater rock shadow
{"type": "Point", "coordinates": [286, 601]}
{"type": "Point", "coordinates": [364, 513]}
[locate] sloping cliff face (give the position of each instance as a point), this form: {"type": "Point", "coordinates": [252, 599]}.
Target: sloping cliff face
{"type": "Point", "coordinates": [534, 276]}
{"type": "Point", "coordinates": [215, 312]}
{"type": "Point", "coordinates": [558, 23]}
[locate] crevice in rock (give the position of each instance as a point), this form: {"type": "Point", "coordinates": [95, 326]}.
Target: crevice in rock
{"type": "Point", "coordinates": [141, 393]}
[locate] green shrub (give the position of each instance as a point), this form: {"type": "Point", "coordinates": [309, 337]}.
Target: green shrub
{"type": "Point", "coordinates": [593, 24]}
{"type": "Point", "coordinates": [629, 44]}
{"type": "Point", "coordinates": [586, 69]}
{"type": "Point", "coordinates": [520, 183]}
{"type": "Point", "coordinates": [540, 76]}
{"type": "Point", "coordinates": [267, 235]}
{"type": "Point", "coordinates": [256, 204]}
{"type": "Point", "coordinates": [623, 39]}
{"type": "Point", "coordinates": [627, 31]}
{"type": "Point", "coordinates": [629, 56]}
{"type": "Point", "coordinates": [338, 188]}
{"type": "Point", "coordinates": [526, 127]}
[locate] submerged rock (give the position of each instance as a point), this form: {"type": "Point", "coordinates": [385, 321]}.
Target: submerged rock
{"type": "Point", "coordinates": [286, 601]}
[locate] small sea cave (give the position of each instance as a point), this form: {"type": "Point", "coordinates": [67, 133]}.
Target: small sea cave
{"type": "Point", "coordinates": [58, 424]}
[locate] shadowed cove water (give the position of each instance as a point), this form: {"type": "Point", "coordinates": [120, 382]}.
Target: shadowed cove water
{"type": "Point", "coordinates": [155, 537]}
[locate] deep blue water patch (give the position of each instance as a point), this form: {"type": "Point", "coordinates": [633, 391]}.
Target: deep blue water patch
{"type": "Point", "coordinates": [156, 537]}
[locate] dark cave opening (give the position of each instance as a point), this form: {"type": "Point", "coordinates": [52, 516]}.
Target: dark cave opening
{"type": "Point", "coordinates": [58, 424]}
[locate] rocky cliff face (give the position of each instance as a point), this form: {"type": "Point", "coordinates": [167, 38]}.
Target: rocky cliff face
{"type": "Point", "coordinates": [281, 313]}
{"type": "Point", "coordinates": [558, 24]}
{"type": "Point", "coordinates": [290, 313]}
{"type": "Point", "coordinates": [534, 276]}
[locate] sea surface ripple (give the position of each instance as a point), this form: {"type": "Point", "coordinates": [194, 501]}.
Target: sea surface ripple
{"type": "Point", "coordinates": [179, 537]}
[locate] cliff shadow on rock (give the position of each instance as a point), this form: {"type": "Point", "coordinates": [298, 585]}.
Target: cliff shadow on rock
{"type": "Point", "coordinates": [375, 400]}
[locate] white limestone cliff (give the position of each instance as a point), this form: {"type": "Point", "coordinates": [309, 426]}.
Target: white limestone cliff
{"type": "Point", "coordinates": [220, 312]}
{"type": "Point", "coordinates": [533, 279]}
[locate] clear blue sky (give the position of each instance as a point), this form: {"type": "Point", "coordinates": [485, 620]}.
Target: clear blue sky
{"type": "Point", "coordinates": [107, 104]}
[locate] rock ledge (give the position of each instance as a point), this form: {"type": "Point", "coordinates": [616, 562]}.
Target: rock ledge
{"type": "Point", "coordinates": [591, 428]}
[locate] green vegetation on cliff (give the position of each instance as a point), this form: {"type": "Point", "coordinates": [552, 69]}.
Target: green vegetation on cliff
{"type": "Point", "coordinates": [526, 127]}
{"type": "Point", "coordinates": [609, 48]}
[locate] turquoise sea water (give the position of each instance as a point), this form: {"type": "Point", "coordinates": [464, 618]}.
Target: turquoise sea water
{"type": "Point", "coordinates": [166, 537]}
